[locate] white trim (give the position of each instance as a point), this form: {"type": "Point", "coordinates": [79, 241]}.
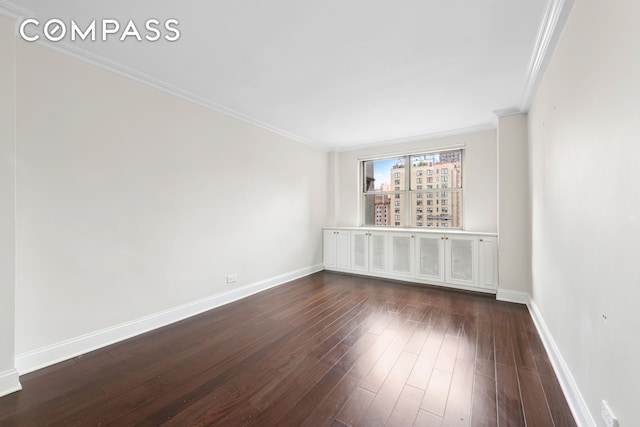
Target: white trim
{"type": "Point", "coordinates": [555, 15]}
{"type": "Point", "coordinates": [425, 137]}
{"type": "Point", "coordinates": [9, 382]}
{"type": "Point", "coordinates": [508, 295]}
{"type": "Point", "coordinates": [507, 112]}
{"type": "Point", "coordinates": [49, 355]}
{"type": "Point", "coordinates": [576, 401]}
{"type": "Point", "coordinates": [13, 11]}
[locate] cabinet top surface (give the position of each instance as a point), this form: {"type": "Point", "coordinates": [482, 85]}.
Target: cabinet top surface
{"type": "Point", "coordinates": [415, 230]}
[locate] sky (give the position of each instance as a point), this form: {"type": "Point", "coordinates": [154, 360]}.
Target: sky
{"type": "Point", "coordinates": [382, 171]}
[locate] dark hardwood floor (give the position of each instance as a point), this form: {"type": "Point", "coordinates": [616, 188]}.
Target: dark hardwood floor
{"type": "Point", "coordinates": [325, 350]}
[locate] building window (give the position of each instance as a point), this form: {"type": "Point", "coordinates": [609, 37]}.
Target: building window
{"type": "Point", "coordinates": [382, 179]}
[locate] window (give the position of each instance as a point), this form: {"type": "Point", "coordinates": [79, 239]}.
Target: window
{"type": "Point", "coordinates": [400, 179]}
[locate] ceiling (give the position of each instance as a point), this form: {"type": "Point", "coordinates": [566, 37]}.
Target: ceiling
{"type": "Point", "coordinates": [335, 74]}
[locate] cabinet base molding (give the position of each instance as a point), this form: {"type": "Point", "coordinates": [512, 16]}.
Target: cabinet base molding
{"type": "Point", "coordinates": [9, 382]}
{"type": "Point", "coordinates": [412, 281]}
{"type": "Point", "coordinates": [512, 296]}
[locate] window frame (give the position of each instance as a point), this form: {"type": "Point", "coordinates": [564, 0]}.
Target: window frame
{"type": "Point", "coordinates": [408, 192]}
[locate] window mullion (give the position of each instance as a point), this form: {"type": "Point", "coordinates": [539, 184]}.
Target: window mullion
{"type": "Point", "coordinates": [407, 191]}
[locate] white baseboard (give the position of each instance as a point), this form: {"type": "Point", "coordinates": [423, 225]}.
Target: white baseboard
{"type": "Point", "coordinates": [64, 350]}
{"type": "Point", "coordinates": [576, 402]}
{"type": "Point", "coordinates": [9, 382]}
{"type": "Point", "coordinates": [512, 296]}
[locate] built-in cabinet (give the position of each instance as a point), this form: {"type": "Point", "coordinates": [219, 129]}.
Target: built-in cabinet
{"type": "Point", "coordinates": [457, 259]}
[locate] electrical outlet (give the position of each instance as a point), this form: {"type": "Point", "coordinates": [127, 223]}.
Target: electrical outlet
{"type": "Point", "coordinates": [607, 415]}
{"type": "Point", "coordinates": [232, 278]}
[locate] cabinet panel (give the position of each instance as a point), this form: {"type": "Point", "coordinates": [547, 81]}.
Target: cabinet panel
{"type": "Point", "coordinates": [402, 253]}
{"type": "Point", "coordinates": [378, 252]}
{"type": "Point", "coordinates": [462, 260]}
{"type": "Point", "coordinates": [430, 257]}
{"type": "Point", "coordinates": [329, 248]}
{"type": "Point", "coordinates": [360, 250]}
{"type": "Point", "coordinates": [488, 262]}
{"type": "Point", "coordinates": [343, 244]}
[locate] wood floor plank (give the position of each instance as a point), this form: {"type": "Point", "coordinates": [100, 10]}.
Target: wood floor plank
{"type": "Point", "coordinates": [458, 409]}
{"type": "Point", "coordinates": [427, 419]}
{"type": "Point", "coordinates": [426, 361]}
{"type": "Point", "coordinates": [509, 400]}
{"type": "Point", "coordinates": [483, 409]}
{"type": "Point", "coordinates": [353, 410]}
{"type": "Point", "coordinates": [534, 402]}
{"type": "Point", "coordinates": [437, 393]}
{"type": "Point", "coordinates": [407, 407]}
{"type": "Point", "coordinates": [382, 405]}
{"type": "Point", "coordinates": [325, 350]}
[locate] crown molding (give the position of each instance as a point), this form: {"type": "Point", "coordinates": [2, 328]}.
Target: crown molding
{"type": "Point", "coordinates": [553, 20]}
{"type": "Point", "coordinates": [13, 11]}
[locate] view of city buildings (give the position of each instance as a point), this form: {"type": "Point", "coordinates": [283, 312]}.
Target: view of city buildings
{"type": "Point", "coordinates": [435, 197]}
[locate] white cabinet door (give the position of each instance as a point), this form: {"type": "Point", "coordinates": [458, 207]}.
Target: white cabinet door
{"type": "Point", "coordinates": [343, 243]}
{"type": "Point", "coordinates": [335, 249]}
{"type": "Point", "coordinates": [401, 253]}
{"type": "Point", "coordinates": [461, 260]}
{"type": "Point", "coordinates": [329, 255]}
{"type": "Point", "coordinates": [430, 257]}
{"type": "Point", "coordinates": [378, 252]}
{"type": "Point", "coordinates": [360, 250]}
{"type": "Point", "coordinates": [488, 262]}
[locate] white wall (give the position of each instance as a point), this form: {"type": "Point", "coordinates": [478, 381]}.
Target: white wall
{"type": "Point", "coordinates": [585, 193]}
{"type": "Point", "coordinates": [7, 198]}
{"type": "Point", "coordinates": [513, 208]}
{"type": "Point", "coordinates": [132, 201]}
{"type": "Point", "coordinates": [480, 168]}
